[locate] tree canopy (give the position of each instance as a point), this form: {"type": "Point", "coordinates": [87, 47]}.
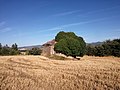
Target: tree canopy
{"type": "Point", "coordinates": [6, 50]}
{"type": "Point", "coordinates": [69, 44]}
{"type": "Point", "coordinates": [34, 51]}
{"type": "Point", "coordinates": [108, 48]}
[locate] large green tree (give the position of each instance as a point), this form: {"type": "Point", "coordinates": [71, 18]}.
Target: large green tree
{"type": "Point", "coordinates": [69, 44]}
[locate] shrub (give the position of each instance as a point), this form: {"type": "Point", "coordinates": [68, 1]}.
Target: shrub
{"type": "Point", "coordinates": [34, 51]}
{"type": "Point", "coordinates": [6, 50]}
{"type": "Point", "coordinates": [108, 48]}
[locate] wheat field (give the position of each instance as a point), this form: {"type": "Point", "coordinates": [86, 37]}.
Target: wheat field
{"type": "Point", "coordinates": [40, 73]}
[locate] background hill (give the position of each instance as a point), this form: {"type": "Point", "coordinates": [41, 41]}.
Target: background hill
{"type": "Point", "coordinates": [30, 47]}
{"type": "Point", "coordinates": [95, 43]}
{"type": "Point", "coordinates": [39, 46]}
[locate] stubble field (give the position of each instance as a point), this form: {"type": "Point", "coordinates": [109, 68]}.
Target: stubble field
{"type": "Point", "coordinates": [40, 73]}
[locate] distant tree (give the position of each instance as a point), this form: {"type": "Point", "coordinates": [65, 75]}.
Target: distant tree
{"type": "Point", "coordinates": [34, 51]}
{"type": "Point", "coordinates": [115, 46]}
{"type": "Point", "coordinates": [6, 46]}
{"type": "Point", "coordinates": [108, 48]}
{"type": "Point", "coordinates": [14, 52]}
{"type": "Point", "coordinates": [5, 50]}
{"type": "Point", "coordinates": [15, 46]}
{"type": "Point", "coordinates": [99, 51]}
{"type": "Point", "coordinates": [90, 50]}
{"type": "Point", "coordinates": [0, 48]}
{"type": "Point", "coordinates": [69, 44]}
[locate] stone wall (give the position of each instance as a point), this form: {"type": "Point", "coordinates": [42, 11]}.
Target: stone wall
{"type": "Point", "coordinates": [48, 50]}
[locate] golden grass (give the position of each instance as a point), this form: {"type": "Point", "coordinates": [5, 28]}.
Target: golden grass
{"type": "Point", "coordinates": [40, 73]}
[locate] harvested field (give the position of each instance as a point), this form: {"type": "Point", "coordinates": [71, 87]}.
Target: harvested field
{"type": "Point", "coordinates": [40, 73]}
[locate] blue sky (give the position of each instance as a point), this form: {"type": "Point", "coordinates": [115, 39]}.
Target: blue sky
{"type": "Point", "coordinates": [34, 22]}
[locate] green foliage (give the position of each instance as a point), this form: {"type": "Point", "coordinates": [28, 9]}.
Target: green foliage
{"type": "Point", "coordinates": [90, 50]}
{"type": "Point", "coordinates": [14, 52]}
{"type": "Point", "coordinates": [108, 48]}
{"type": "Point", "coordinates": [69, 44]}
{"type": "Point", "coordinates": [64, 35]}
{"type": "Point", "coordinates": [14, 46]}
{"type": "Point", "coordinates": [6, 50]}
{"type": "Point", "coordinates": [34, 51]}
{"type": "Point", "coordinates": [0, 48]}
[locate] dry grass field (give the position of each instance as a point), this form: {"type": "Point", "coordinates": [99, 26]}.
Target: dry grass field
{"type": "Point", "coordinates": [40, 73]}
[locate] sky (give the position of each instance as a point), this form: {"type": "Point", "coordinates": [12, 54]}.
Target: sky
{"type": "Point", "coordinates": [34, 22]}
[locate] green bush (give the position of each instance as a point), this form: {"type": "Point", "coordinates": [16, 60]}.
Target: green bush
{"type": "Point", "coordinates": [6, 50]}
{"type": "Point", "coordinates": [14, 52]}
{"type": "Point", "coordinates": [108, 48]}
{"type": "Point", "coordinates": [34, 51]}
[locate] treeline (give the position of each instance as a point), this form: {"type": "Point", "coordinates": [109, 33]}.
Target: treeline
{"type": "Point", "coordinates": [6, 50]}
{"type": "Point", "coordinates": [34, 51]}
{"type": "Point", "coordinates": [13, 50]}
{"type": "Point", "coordinates": [108, 48]}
